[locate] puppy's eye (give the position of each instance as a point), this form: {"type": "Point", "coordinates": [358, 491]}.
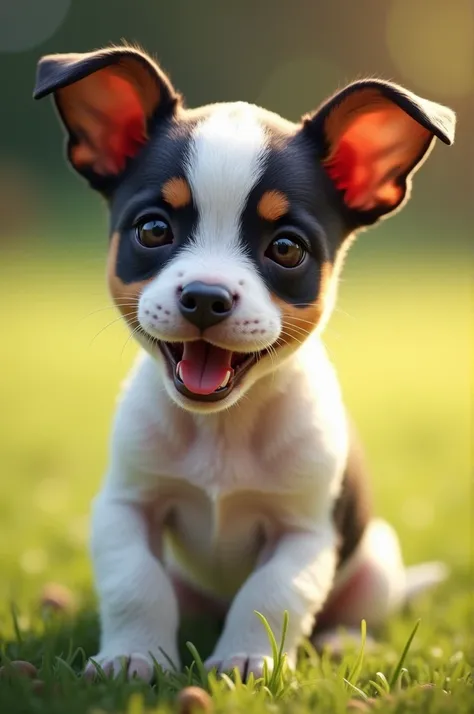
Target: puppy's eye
{"type": "Point", "coordinates": [286, 251]}
{"type": "Point", "coordinates": [153, 233]}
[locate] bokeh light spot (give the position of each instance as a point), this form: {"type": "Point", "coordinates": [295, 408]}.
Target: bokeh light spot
{"type": "Point", "coordinates": [25, 24]}
{"type": "Point", "coordinates": [432, 44]}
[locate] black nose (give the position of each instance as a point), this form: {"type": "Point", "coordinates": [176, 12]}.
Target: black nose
{"type": "Point", "coordinates": [205, 305]}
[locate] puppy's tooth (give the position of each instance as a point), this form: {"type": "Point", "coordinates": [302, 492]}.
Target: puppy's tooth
{"type": "Point", "coordinates": [178, 371]}
{"type": "Point", "coordinates": [226, 379]}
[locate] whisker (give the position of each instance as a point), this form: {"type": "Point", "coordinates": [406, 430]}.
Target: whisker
{"type": "Point", "coordinates": [297, 329]}
{"type": "Point", "coordinates": [300, 319]}
{"type": "Point", "coordinates": [343, 312]}
{"type": "Point", "coordinates": [288, 344]}
{"type": "Point", "coordinates": [272, 353]}
{"type": "Point", "coordinates": [135, 331]}
{"type": "Point", "coordinates": [295, 339]}
{"type": "Point", "coordinates": [118, 319]}
{"type": "Point", "coordinates": [109, 307]}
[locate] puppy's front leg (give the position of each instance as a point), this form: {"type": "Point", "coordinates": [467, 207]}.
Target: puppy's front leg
{"type": "Point", "coordinates": [297, 578]}
{"type": "Point", "coordinates": [138, 607]}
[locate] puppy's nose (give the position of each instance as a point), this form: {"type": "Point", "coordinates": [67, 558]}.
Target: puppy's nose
{"type": "Point", "coordinates": [205, 305]}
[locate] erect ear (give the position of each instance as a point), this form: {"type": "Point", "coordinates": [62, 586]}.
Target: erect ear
{"type": "Point", "coordinates": [106, 100]}
{"type": "Point", "coordinates": [374, 136]}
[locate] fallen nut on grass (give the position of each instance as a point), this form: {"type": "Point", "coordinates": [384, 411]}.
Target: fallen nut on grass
{"type": "Point", "coordinates": [358, 705]}
{"type": "Point", "coordinates": [194, 700]}
{"type": "Point", "coordinates": [56, 597]}
{"type": "Point", "coordinates": [38, 686]}
{"type": "Point", "coordinates": [19, 666]}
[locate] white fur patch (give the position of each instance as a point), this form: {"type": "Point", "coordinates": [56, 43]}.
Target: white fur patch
{"type": "Point", "coordinates": [226, 159]}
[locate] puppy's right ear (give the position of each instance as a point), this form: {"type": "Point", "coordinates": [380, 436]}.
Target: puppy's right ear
{"type": "Point", "coordinates": [106, 101]}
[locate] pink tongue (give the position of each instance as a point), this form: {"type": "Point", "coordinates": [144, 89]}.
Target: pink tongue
{"type": "Point", "coordinates": [204, 367]}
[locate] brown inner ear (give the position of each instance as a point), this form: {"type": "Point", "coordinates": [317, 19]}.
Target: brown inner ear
{"type": "Point", "coordinates": [107, 114]}
{"type": "Point", "coordinates": [373, 146]}
{"type": "Point", "coordinates": [353, 106]}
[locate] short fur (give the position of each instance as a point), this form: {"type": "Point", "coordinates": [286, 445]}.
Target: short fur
{"type": "Point", "coordinates": [250, 494]}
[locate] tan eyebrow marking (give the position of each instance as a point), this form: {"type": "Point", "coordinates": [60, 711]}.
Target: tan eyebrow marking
{"type": "Point", "coordinates": [273, 205]}
{"type": "Point", "coordinates": [176, 192]}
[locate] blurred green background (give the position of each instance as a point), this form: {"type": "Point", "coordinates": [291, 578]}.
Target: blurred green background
{"type": "Point", "coordinates": [400, 338]}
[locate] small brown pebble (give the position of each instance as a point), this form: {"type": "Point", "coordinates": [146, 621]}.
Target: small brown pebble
{"type": "Point", "coordinates": [38, 686]}
{"type": "Point", "coordinates": [358, 705]}
{"type": "Point", "coordinates": [194, 700]}
{"type": "Point", "coordinates": [25, 669]}
{"type": "Point", "coordinates": [56, 597]}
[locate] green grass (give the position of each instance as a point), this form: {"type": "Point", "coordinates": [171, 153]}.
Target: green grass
{"type": "Point", "coordinates": [400, 341]}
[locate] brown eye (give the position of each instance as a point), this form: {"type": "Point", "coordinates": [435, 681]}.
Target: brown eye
{"type": "Point", "coordinates": [286, 251]}
{"type": "Point", "coordinates": [154, 233]}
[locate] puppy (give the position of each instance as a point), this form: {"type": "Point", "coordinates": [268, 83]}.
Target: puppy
{"type": "Point", "coordinates": [234, 480]}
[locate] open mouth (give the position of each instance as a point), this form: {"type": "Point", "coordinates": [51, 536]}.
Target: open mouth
{"type": "Point", "coordinates": [204, 372]}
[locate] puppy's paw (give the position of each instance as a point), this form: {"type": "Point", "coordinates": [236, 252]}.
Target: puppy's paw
{"type": "Point", "coordinates": [244, 663]}
{"type": "Point", "coordinates": [134, 665]}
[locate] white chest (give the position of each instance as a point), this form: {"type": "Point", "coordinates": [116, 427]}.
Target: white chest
{"type": "Point", "coordinates": [227, 484]}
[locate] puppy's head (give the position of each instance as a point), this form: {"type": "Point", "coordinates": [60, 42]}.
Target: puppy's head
{"type": "Point", "coordinates": [228, 224]}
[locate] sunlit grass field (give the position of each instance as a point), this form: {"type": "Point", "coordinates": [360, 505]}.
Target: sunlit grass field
{"type": "Point", "coordinates": [401, 342]}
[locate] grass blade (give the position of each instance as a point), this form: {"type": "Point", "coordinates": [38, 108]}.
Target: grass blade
{"type": "Point", "coordinates": [201, 670]}
{"type": "Point", "coordinates": [356, 669]}
{"type": "Point", "coordinates": [398, 668]}
{"type": "Point", "coordinates": [356, 689]}
{"type": "Point", "coordinates": [16, 625]}
{"type": "Point", "coordinates": [383, 679]}
{"type": "Point", "coordinates": [168, 659]}
{"type": "Point", "coordinates": [378, 688]}
{"type": "Point", "coordinates": [225, 678]}
{"type": "Point", "coordinates": [284, 630]}
{"type": "Point", "coordinates": [270, 635]}
{"type": "Point", "coordinates": [274, 680]}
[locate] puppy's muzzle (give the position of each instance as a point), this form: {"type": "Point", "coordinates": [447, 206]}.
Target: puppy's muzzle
{"type": "Point", "coordinates": [205, 305]}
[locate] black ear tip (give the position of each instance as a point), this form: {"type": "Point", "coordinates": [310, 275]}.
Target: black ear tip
{"type": "Point", "coordinates": [44, 82]}
{"type": "Point", "coordinates": [38, 91]}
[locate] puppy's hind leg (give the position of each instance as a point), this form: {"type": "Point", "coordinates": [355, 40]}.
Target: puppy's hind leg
{"type": "Point", "coordinates": [375, 585]}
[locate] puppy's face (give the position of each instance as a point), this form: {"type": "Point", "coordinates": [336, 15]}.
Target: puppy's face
{"type": "Point", "coordinates": [222, 246]}
{"type": "Point", "coordinates": [228, 223]}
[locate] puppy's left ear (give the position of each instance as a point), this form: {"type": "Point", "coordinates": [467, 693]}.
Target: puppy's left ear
{"type": "Point", "coordinates": [373, 136]}
{"type": "Point", "coordinates": [106, 101]}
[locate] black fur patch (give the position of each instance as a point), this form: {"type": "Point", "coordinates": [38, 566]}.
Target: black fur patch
{"type": "Point", "coordinates": [292, 169]}
{"type": "Point", "coordinates": [139, 196]}
{"type": "Point", "coordinates": [353, 509]}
